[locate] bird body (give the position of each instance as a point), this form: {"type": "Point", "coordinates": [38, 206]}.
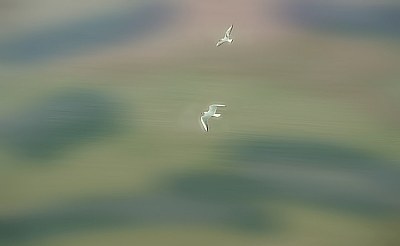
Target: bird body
{"type": "Point", "coordinates": [212, 109]}
{"type": "Point", "coordinates": [227, 37]}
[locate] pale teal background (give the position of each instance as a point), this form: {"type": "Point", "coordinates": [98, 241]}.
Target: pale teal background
{"type": "Point", "coordinates": [100, 140]}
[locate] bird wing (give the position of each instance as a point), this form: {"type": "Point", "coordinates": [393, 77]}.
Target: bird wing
{"type": "Point", "coordinates": [220, 42]}
{"type": "Point", "coordinates": [216, 105]}
{"type": "Point", "coordinates": [228, 32]}
{"type": "Point", "coordinates": [213, 108]}
{"type": "Point", "coordinates": [204, 122]}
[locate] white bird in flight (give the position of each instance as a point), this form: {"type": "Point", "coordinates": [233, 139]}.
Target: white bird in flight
{"type": "Point", "coordinates": [212, 109]}
{"type": "Point", "coordinates": [227, 37]}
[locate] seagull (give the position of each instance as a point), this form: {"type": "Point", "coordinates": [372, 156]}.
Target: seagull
{"type": "Point", "coordinates": [227, 37]}
{"type": "Point", "coordinates": [210, 113]}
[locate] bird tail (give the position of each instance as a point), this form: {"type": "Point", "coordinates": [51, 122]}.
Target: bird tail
{"type": "Point", "coordinates": [216, 115]}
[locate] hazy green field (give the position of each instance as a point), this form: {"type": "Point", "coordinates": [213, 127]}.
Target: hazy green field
{"type": "Point", "coordinates": [105, 146]}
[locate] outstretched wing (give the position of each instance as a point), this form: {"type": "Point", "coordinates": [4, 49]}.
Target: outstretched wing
{"type": "Point", "coordinates": [228, 32]}
{"type": "Point", "coordinates": [204, 122]}
{"type": "Point", "coordinates": [213, 108]}
{"type": "Point", "coordinates": [220, 42]}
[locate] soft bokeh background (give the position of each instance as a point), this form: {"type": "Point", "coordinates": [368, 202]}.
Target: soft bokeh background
{"type": "Point", "coordinates": [100, 141]}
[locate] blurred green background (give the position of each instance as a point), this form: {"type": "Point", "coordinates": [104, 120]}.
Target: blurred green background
{"type": "Point", "coordinates": [100, 140]}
